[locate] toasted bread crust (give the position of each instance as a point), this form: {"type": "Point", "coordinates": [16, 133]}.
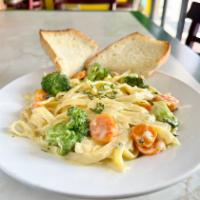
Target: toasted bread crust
{"type": "Point", "coordinates": [47, 47]}
{"type": "Point", "coordinates": [49, 51]}
{"type": "Point", "coordinates": [131, 36]}
{"type": "Point", "coordinates": [166, 55]}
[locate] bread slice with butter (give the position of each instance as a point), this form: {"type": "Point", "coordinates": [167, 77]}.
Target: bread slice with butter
{"type": "Point", "coordinates": [135, 52]}
{"type": "Point", "coordinates": [68, 49]}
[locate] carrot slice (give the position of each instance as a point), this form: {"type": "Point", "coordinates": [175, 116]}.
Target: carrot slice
{"type": "Point", "coordinates": [103, 128]}
{"type": "Point", "coordinates": [80, 75]}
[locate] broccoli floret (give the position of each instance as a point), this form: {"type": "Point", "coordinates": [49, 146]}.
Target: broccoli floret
{"type": "Point", "coordinates": [59, 135]}
{"type": "Point", "coordinates": [65, 135]}
{"type": "Point", "coordinates": [97, 72]}
{"type": "Point", "coordinates": [134, 80]}
{"type": "Point", "coordinates": [54, 83]}
{"type": "Point", "coordinates": [163, 114]}
{"type": "Point", "coordinates": [78, 121]}
{"type": "Point", "coordinates": [99, 108]}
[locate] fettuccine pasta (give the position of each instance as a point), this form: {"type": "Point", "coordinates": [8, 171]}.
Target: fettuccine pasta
{"type": "Point", "coordinates": [112, 118]}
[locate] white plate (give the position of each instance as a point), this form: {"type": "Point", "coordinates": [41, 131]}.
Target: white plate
{"type": "Point", "coordinates": [23, 160]}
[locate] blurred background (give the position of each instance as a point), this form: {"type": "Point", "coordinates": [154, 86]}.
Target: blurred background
{"type": "Point", "coordinates": [180, 18]}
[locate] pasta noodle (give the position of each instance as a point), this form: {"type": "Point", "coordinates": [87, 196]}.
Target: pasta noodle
{"type": "Point", "coordinates": [121, 100]}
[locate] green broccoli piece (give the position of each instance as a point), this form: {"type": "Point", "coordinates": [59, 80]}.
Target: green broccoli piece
{"type": "Point", "coordinates": [59, 135]}
{"type": "Point", "coordinates": [134, 80]}
{"type": "Point", "coordinates": [78, 122]}
{"type": "Point", "coordinates": [55, 82]}
{"type": "Point", "coordinates": [163, 114]}
{"type": "Point", "coordinates": [97, 72]}
{"type": "Point", "coordinates": [65, 135]}
{"type": "Point", "coordinates": [99, 108]}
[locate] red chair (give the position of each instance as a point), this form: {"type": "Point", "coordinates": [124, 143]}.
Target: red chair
{"type": "Point", "coordinates": [112, 3]}
{"type": "Point", "coordinates": [35, 4]}
{"type": "Point", "coordinates": [194, 14]}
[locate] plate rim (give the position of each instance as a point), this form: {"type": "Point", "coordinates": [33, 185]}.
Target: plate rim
{"type": "Point", "coordinates": [97, 197]}
{"type": "Point", "coordinates": [83, 196]}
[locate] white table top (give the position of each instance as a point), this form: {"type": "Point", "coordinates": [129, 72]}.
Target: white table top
{"type": "Point", "coordinates": [21, 53]}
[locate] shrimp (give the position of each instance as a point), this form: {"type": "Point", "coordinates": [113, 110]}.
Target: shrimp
{"type": "Point", "coordinates": [103, 128]}
{"type": "Point", "coordinates": [171, 101]}
{"type": "Point", "coordinates": [156, 148]}
{"type": "Point", "coordinates": [146, 140]}
{"type": "Point", "coordinates": [144, 135]}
